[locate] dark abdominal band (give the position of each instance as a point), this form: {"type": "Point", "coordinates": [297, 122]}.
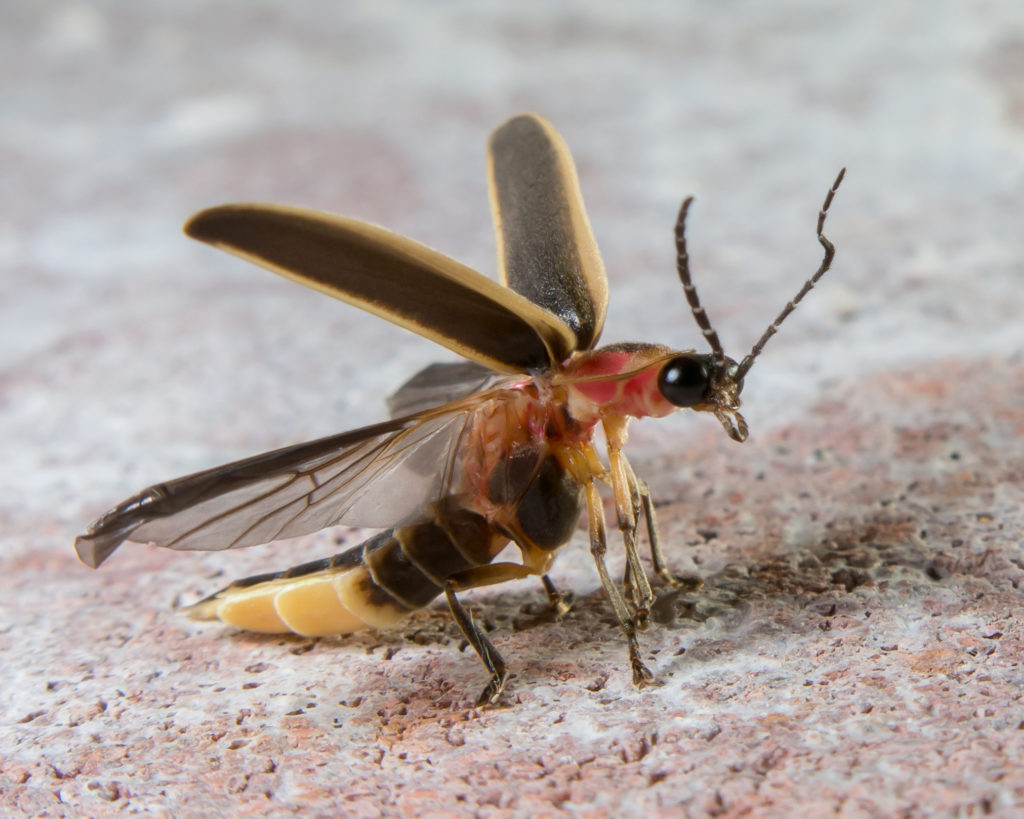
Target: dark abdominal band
{"type": "Point", "coordinates": [407, 566]}
{"type": "Point", "coordinates": [410, 564]}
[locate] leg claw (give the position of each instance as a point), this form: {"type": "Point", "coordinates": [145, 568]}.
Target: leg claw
{"type": "Point", "coordinates": [642, 676]}
{"type": "Point", "coordinates": [492, 693]}
{"type": "Point", "coordinates": [682, 582]}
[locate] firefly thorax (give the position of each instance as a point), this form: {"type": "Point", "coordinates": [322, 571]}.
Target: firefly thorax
{"type": "Point", "coordinates": [712, 382]}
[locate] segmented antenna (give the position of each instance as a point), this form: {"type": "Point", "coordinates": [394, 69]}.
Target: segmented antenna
{"type": "Point", "coordinates": [826, 262]}
{"type": "Point", "coordinates": [683, 266]}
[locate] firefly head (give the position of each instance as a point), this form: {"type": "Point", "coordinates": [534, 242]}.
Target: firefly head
{"type": "Point", "coordinates": [703, 382]}
{"type": "Point", "coordinates": [712, 382]}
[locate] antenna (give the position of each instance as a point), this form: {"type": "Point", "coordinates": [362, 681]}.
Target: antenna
{"type": "Point", "coordinates": [826, 262]}
{"type": "Point", "coordinates": [683, 266]}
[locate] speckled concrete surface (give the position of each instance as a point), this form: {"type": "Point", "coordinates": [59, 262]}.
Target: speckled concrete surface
{"type": "Point", "coordinates": [855, 648]}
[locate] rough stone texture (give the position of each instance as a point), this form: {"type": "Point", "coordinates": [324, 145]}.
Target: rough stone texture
{"type": "Point", "coordinates": [856, 646]}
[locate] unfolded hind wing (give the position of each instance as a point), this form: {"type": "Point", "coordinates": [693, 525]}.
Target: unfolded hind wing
{"type": "Point", "coordinates": [379, 476]}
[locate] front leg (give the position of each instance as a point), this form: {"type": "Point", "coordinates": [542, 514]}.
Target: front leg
{"type": "Point", "coordinates": [641, 502]}
{"type": "Point", "coordinates": [687, 583]}
{"type": "Point", "coordinates": [624, 487]}
{"type": "Point", "coordinates": [598, 548]}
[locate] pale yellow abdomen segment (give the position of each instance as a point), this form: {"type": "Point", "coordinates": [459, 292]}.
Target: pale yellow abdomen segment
{"type": "Point", "coordinates": [314, 605]}
{"type": "Point", "coordinates": [372, 585]}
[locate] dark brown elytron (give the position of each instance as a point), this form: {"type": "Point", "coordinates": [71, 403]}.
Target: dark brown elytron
{"type": "Point", "coordinates": [496, 449]}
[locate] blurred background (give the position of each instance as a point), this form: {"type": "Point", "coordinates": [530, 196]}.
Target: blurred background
{"type": "Point", "coordinates": [129, 354]}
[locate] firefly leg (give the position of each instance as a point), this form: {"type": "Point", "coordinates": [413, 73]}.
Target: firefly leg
{"type": "Point", "coordinates": [488, 654]}
{"type": "Point", "coordinates": [627, 576]}
{"type": "Point", "coordinates": [657, 556]}
{"type": "Point", "coordinates": [598, 548]}
{"type": "Point", "coordinates": [561, 603]}
{"type": "Point", "coordinates": [638, 586]}
{"type": "Point", "coordinates": [626, 508]}
{"type": "Point", "coordinates": [484, 649]}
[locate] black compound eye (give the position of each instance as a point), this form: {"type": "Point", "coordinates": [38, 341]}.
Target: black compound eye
{"type": "Point", "coordinates": [684, 380]}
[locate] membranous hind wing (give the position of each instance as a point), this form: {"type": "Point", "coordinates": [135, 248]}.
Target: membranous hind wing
{"type": "Point", "coordinates": [395, 278]}
{"type": "Point", "coordinates": [441, 383]}
{"type": "Point", "coordinates": [379, 476]}
{"type": "Point", "coordinates": [546, 250]}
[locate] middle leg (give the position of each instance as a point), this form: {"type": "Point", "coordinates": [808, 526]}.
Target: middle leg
{"type": "Point", "coordinates": [493, 661]}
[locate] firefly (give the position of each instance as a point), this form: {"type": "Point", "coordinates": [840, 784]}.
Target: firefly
{"type": "Point", "coordinates": [495, 449]}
